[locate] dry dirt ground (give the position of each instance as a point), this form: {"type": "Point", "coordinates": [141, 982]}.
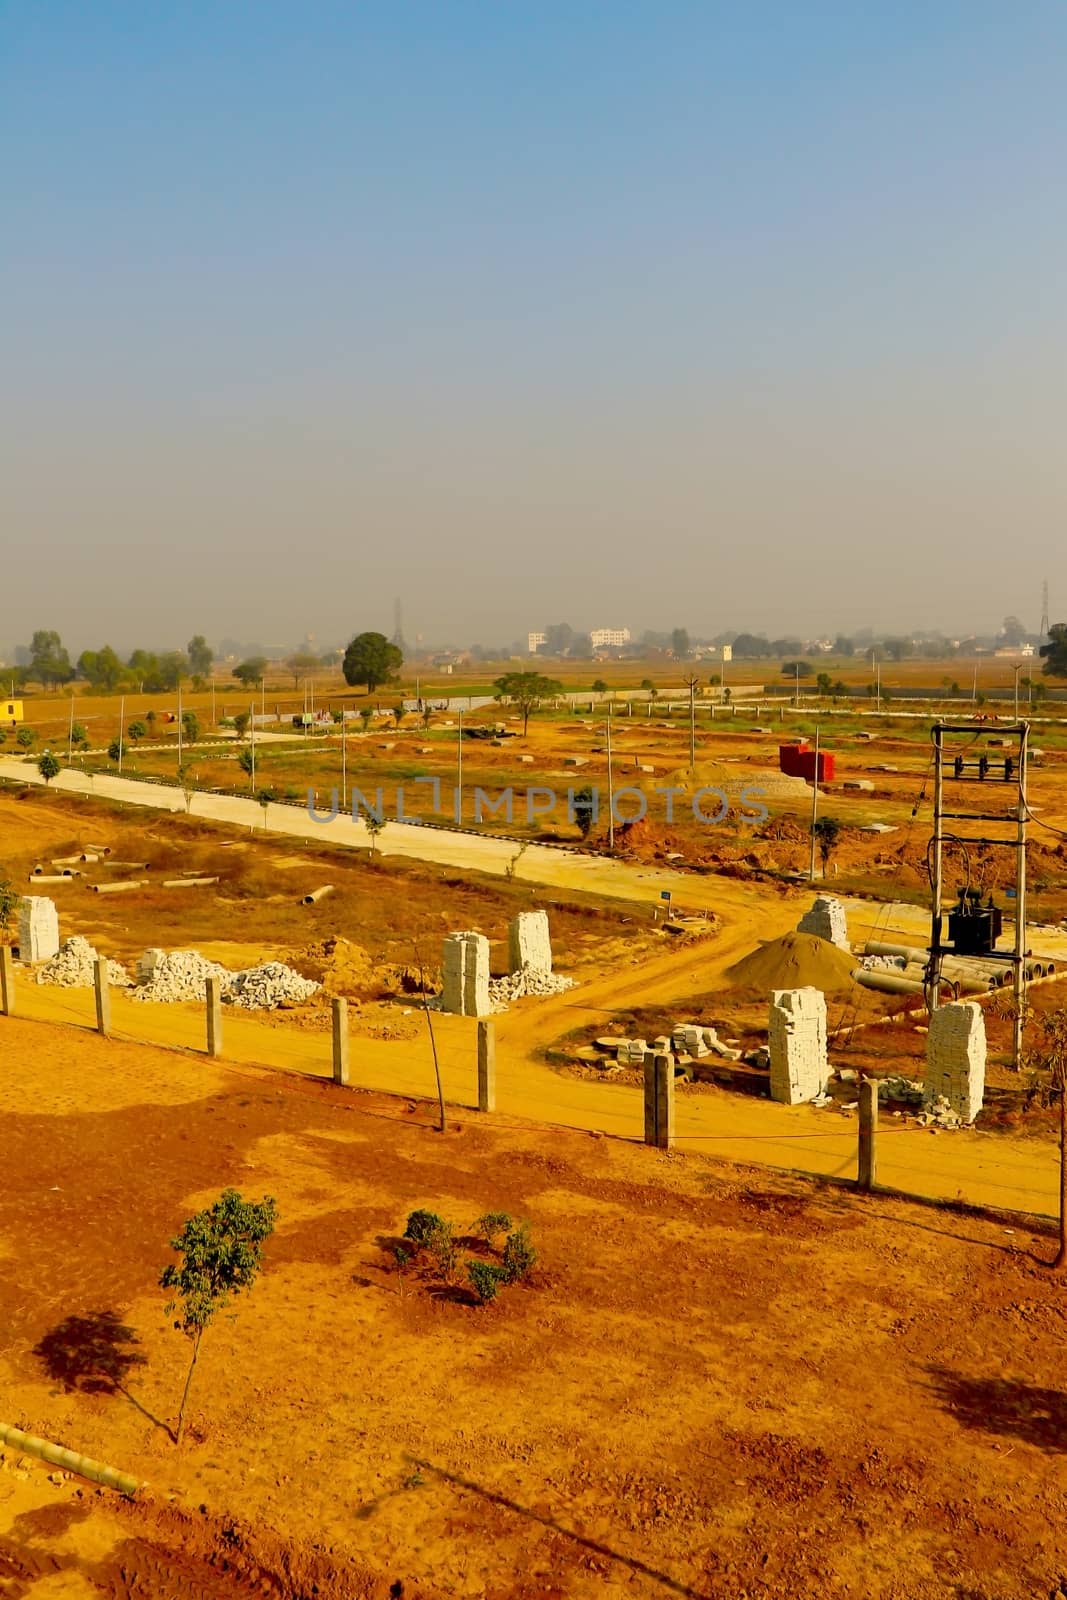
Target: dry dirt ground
{"type": "Point", "coordinates": [717, 1384]}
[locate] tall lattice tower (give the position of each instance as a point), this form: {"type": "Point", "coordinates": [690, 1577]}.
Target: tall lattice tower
{"type": "Point", "coordinates": [398, 624]}
{"type": "Point", "coordinates": [1044, 609]}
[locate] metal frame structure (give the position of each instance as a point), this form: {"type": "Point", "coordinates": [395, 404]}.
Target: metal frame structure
{"type": "Point", "coordinates": [964, 767]}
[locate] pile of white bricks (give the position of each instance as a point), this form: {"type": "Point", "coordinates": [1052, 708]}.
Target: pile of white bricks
{"type": "Point", "coordinates": [264, 988]}
{"type": "Point", "coordinates": [38, 929]}
{"type": "Point", "coordinates": [797, 1041]}
{"type": "Point", "coordinates": [74, 967]}
{"type": "Point", "coordinates": [826, 920]}
{"type": "Point", "coordinates": [691, 1039]}
{"type": "Point", "coordinates": [631, 1052]}
{"type": "Point", "coordinates": [465, 973]}
{"type": "Point", "coordinates": [529, 943]}
{"type": "Point", "coordinates": [955, 1059]}
{"type": "Point", "coordinates": [169, 976]}
{"type": "Point", "coordinates": [525, 982]}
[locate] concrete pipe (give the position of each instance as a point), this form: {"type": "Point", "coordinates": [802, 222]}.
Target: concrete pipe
{"type": "Point", "coordinates": [50, 877]}
{"type": "Point", "coordinates": [89, 855]}
{"type": "Point", "coordinates": [129, 866]}
{"type": "Point", "coordinates": [316, 895]}
{"type": "Point", "coordinates": [187, 883]}
{"type": "Point", "coordinates": [115, 888]}
{"type": "Point", "coordinates": [56, 1456]}
{"type": "Point", "coordinates": [100, 849]}
{"type": "Point", "coordinates": [878, 947]}
{"type": "Point", "coordinates": [65, 861]}
{"type": "Point", "coordinates": [887, 982]}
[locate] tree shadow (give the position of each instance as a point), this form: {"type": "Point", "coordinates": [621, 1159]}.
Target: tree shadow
{"type": "Point", "coordinates": [94, 1354]}
{"type": "Point", "coordinates": [635, 1566]}
{"type": "Point", "coordinates": [1005, 1406]}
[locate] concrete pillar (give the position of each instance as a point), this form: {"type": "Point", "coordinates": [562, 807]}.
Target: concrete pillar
{"type": "Point", "coordinates": [7, 981]}
{"type": "Point", "coordinates": [796, 1040]}
{"type": "Point", "coordinates": [486, 1066]}
{"type": "Point", "coordinates": [529, 943]}
{"type": "Point", "coordinates": [465, 967]}
{"type": "Point", "coordinates": [214, 1017]}
{"type": "Point", "coordinates": [339, 1024]}
{"type": "Point", "coordinates": [826, 920]}
{"type": "Point", "coordinates": [956, 1057]}
{"type": "Point", "coordinates": [659, 1100]}
{"type": "Point", "coordinates": [103, 996]}
{"type": "Point", "coordinates": [867, 1171]}
{"type": "Point", "coordinates": [38, 928]}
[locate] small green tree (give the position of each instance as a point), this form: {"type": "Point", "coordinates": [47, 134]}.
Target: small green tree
{"type": "Point", "coordinates": [420, 1227]}
{"type": "Point", "coordinates": [78, 737]}
{"type": "Point", "coordinates": [585, 809]}
{"type": "Point", "coordinates": [374, 825]}
{"type": "Point", "coordinates": [9, 900]}
{"type": "Point", "coordinates": [115, 750]}
{"type": "Point", "coordinates": [25, 738]}
{"type": "Point", "coordinates": [366, 716]}
{"type": "Point", "coordinates": [519, 1254]}
{"type": "Point", "coordinates": [827, 831]}
{"type": "Point", "coordinates": [221, 1256]}
{"type": "Point", "coordinates": [824, 684]}
{"type": "Point", "coordinates": [486, 1278]}
{"type": "Point", "coordinates": [190, 726]}
{"type": "Point", "coordinates": [48, 766]}
{"type": "Point", "coordinates": [599, 686]}
{"type": "Point", "coordinates": [240, 722]}
{"type": "Point", "coordinates": [247, 763]}
{"type": "Point", "coordinates": [136, 730]}
{"type": "Point", "coordinates": [492, 1225]}
{"type": "Point", "coordinates": [527, 691]}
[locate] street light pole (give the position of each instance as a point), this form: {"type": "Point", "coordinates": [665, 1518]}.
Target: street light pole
{"type": "Point", "coordinates": [611, 789]}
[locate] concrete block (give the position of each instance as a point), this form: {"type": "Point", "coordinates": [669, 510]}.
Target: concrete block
{"type": "Point", "coordinates": [797, 1042]}
{"type": "Point", "coordinates": [826, 920]}
{"type": "Point", "coordinates": [465, 969]}
{"type": "Point", "coordinates": [956, 1058]}
{"type": "Point", "coordinates": [529, 943]}
{"type": "Point", "coordinates": [38, 928]}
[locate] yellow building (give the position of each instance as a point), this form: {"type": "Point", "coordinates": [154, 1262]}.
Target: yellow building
{"type": "Point", "coordinates": [11, 711]}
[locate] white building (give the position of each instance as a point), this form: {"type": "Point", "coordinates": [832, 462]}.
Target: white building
{"type": "Point", "coordinates": [604, 638]}
{"type": "Point", "coordinates": [534, 641]}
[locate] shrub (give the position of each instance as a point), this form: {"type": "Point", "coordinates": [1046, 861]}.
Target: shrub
{"type": "Point", "coordinates": [519, 1255]}
{"type": "Point", "coordinates": [420, 1227]}
{"type": "Point", "coordinates": [486, 1279]}
{"type": "Point", "coordinates": [137, 730]}
{"type": "Point", "coordinates": [493, 1223]}
{"type": "Point", "coordinates": [115, 749]}
{"type": "Point", "coordinates": [25, 738]}
{"type": "Point", "coordinates": [48, 766]}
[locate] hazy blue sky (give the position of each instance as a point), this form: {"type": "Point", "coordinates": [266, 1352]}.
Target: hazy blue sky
{"type": "Point", "coordinates": [744, 315]}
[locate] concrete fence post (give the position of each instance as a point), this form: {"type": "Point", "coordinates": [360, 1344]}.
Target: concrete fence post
{"type": "Point", "coordinates": [659, 1100]}
{"type": "Point", "coordinates": [7, 981]}
{"type": "Point", "coordinates": [103, 996]}
{"type": "Point", "coordinates": [339, 1023]}
{"type": "Point", "coordinates": [867, 1166]}
{"type": "Point", "coordinates": [214, 1017]}
{"type": "Point", "coordinates": [486, 1065]}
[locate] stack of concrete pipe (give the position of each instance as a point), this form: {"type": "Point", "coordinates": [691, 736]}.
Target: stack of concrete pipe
{"type": "Point", "coordinates": [969, 974]}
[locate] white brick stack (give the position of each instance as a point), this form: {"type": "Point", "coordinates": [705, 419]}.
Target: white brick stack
{"type": "Point", "coordinates": [465, 968]}
{"type": "Point", "coordinates": [797, 1040]}
{"type": "Point", "coordinates": [955, 1058]}
{"type": "Point", "coordinates": [688, 1039]}
{"type": "Point", "coordinates": [529, 943]}
{"type": "Point", "coordinates": [38, 928]}
{"type": "Point", "coordinates": [826, 920]}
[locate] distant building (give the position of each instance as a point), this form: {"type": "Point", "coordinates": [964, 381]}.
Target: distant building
{"type": "Point", "coordinates": [534, 641]}
{"type": "Point", "coordinates": [11, 711]}
{"type": "Point", "coordinates": [1014, 652]}
{"type": "Point", "coordinates": [607, 638]}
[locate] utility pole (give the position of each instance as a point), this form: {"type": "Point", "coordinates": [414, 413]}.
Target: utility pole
{"type": "Point", "coordinates": [459, 770]}
{"type": "Point", "coordinates": [179, 724]}
{"type": "Point", "coordinates": [252, 741]}
{"type": "Point", "coordinates": [878, 685]}
{"type": "Point", "coordinates": [974, 686]}
{"type": "Point", "coordinates": [214, 719]}
{"type": "Point", "coordinates": [814, 806]}
{"type": "Point", "coordinates": [796, 697]}
{"type": "Point", "coordinates": [70, 734]}
{"type": "Point", "coordinates": [692, 682]}
{"type": "Point", "coordinates": [122, 729]}
{"type": "Point", "coordinates": [1018, 669]}
{"type": "Point", "coordinates": [611, 787]}
{"type": "Point", "coordinates": [344, 762]}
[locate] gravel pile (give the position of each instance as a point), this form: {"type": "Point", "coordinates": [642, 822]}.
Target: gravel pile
{"type": "Point", "coordinates": [263, 988]}
{"type": "Point", "coordinates": [73, 967]}
{"type": "Point", "coordinates": [167, 976]}
{"type": "Point", "coordinates": [529, 981]}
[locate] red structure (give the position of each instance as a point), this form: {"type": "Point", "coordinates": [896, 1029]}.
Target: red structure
{"type": "Point", "coordinates": [798, 761]}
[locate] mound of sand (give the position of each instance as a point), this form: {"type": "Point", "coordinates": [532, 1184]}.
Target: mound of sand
{"type": "Point", "coordinates": [343, 968]}
{"type": "Point", "coordinates": [732, 779]}
{"type": "Point", "coordinates": [795, 961]}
